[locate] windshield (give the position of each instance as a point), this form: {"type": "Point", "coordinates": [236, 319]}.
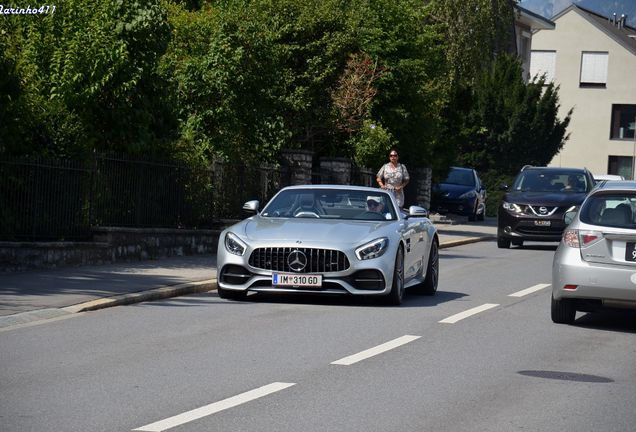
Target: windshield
{"type": "Point", "coordinates": [611, 210]}
{"type": "Point", "coordinates": [331, 204]}
{"type": "Point", "coordinates": [542, 181]}
{"type": "Point", "coordinates": [462, 177]}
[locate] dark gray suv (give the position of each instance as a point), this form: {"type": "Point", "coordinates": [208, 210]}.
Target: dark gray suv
{"type": "Point", "coordinates": [533, 207]}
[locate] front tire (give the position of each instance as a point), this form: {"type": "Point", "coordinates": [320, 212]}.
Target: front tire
{"type": "Point", "coordinates": [429, 286]}
{"type": "Point", "coordinates": [503, 243]}
{"type": "Point", "coordinates": [563, 311]}
{"type": "Point", "coordinates": [396, 295]}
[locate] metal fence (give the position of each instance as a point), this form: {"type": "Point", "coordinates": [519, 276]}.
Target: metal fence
{"type": "Point", "coordinates": [45, 199]}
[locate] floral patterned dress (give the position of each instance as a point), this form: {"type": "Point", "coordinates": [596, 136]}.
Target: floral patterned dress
{"type": "Point", "coordinates": [393, 176]}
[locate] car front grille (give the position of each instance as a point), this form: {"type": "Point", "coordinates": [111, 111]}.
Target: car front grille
{"type": "Point", "coordinates": [317, 260]}
{"type": "Point", "coordinates": [541, 211]}
{"type": "Point", "coordinates": [557, 231]}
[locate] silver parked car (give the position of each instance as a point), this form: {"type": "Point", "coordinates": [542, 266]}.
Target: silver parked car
{"type": "Point", "coordinates": [329, 239]}
{"type": "Point", "coordinates": [595, 263]}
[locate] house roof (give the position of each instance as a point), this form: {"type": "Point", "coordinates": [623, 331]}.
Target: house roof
{"type": "Point", "coordinates": [533, 20]}
{"type": "Point", "coordinates": [624, 35]}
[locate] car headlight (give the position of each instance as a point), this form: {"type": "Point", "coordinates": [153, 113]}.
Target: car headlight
{"type": "Point", "coordinates": [234, 245]}
{"type": "Point", "coordinates": [373, 249]}
{"type": "Point", "coordinates": [512, 207]}
{"type": "Point", "coordinates": [469, 194]}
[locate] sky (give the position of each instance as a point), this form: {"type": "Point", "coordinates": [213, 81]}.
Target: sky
{"type": "Point", "coordinates": [549, 8]}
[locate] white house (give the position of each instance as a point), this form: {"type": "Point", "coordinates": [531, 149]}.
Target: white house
{"type": "Point", "coordinates": [525, 23]}
{"type": "Point", "coordinates": [593, 60]}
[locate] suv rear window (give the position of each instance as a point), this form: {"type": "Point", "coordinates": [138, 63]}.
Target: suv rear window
{"type": "Point", "coordinates": [610, 210]}
{"type": "Point", "coordinates": [551, 181]}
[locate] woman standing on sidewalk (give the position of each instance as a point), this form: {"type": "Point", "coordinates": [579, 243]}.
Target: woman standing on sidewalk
{"type": "Point", "coordinates": [394, 176]}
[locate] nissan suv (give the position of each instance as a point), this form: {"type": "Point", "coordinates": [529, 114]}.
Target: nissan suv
{"type": "Point", "coordinates": [533, 208]}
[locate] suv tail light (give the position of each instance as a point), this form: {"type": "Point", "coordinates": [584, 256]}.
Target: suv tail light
{"type": "Point", "coordinates": [581, 238]}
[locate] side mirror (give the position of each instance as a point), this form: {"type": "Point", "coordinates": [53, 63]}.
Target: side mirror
{"type": "Point", "coordinates": [568, 217]}
{"type": "Point", "coordinates": [417, 211]}
{"type": "Point", "coordinates": [503, 187]}
{"type": "Point", "coordinates": [251, 207]}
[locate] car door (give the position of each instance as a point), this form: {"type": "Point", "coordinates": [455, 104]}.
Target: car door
{"type": "Point", "coordinates": [416, 241]}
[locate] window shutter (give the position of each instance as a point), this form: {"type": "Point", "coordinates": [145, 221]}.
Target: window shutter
{"type": "Point", "coordinates": [543, 62]}
{"type": "Point", "coordinates": [594, 68]}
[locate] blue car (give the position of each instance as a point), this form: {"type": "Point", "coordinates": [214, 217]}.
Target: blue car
{"type": "Point", "coordinates": [461, 193]}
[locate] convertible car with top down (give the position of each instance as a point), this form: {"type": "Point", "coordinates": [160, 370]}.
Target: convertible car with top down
{"type": "Point", "coordinates": [330, 239]}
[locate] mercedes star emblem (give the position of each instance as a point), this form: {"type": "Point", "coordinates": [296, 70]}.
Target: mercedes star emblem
{"type": "Point", "coordinates": [297, 261]}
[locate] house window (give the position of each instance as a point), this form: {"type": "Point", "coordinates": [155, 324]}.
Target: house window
{"type": "Point", "coordinates": [620, 165]}
{"type": "Point", "coordinates": [543, 62]}
{"type": "Point", "coordinates": [593, 69]}
{"type": "Point", "coordinates": [623, 122]}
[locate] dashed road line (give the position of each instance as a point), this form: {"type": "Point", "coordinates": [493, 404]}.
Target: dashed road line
{"type": "Point", "coordinates": [470, 312]}
{"type": "Point", "coordinates": [363, 355]}
{"type": "Point", "coordinates": [215, 407]}
{"type": "Point", "coordinates": [530, 290]}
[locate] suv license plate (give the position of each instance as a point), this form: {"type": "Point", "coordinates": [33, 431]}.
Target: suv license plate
{"type": "Point", "coordinates": [296, 280]}
{"type": "Point", "coordinates": [630, 251]}
{"type": "Point", "coordinates": [543, 223]}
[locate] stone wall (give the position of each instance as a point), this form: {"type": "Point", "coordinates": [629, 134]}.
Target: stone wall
{"type": "Point", "coordinates": [422, 184]}
{"type": "Point", "coordinates": [109, 245]}
{"type": "Point", "coordinates": [336, 170]}
{"type": "Point", "coordinates": [300, 164]}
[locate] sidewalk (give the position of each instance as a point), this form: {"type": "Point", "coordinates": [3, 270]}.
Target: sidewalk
{"type": "Point", "coordinates": [37, 295]}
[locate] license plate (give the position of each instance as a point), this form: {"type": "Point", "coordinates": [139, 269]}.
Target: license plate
{"type": "Point", "coordinates": [630, 252]}
{"type": "Point", "coordinates": [296, 280]}
{"type": "Point", "coordinates": [543, 223]}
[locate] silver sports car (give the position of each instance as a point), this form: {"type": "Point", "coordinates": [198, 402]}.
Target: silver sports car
{"type": "Point", "coordinates": [329, 239]}
{"type": "Point", "coordinates": [595, 264]}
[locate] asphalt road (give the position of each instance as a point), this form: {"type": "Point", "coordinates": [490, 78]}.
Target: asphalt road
{"type": "Point", "coordinates": [481, 355]}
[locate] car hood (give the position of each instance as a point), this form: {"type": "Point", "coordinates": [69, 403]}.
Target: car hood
{"type": "Point", "coordinates": [545, 198]}
{"type": "Point", "coordinates": [449, 190]}
{"type": "Point", "coordinates": [310, 230]}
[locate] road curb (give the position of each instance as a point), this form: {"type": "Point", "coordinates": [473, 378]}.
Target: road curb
{"type": "Point", "coordinates": [142, 296]}
{"type": "Point", "coordinates": [464, 241]}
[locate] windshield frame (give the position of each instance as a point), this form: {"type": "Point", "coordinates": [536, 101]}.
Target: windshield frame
{"type": "Point", "coordinates": [330, 203]}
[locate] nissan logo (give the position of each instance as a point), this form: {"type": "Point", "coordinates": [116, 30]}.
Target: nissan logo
{"type": "Point", "coordinates": [543, 210]}
{"type": "Point", "coordinates": [296, 261]}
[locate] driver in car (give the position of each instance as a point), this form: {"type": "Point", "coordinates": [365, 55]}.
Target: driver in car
{"type": "Point", "coordinates": [375, 204]}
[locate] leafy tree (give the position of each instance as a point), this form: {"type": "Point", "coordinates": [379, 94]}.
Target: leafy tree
{"type": "Point", "coordinates": [510, 123]}
{"type": "Point", "coordinates": [412, 89]}
{"type": "Point", "coordinates": [86, 78]}
{"type": "Point", "coordinates": [255, 76]}
{"type": "Point", "coordinates": [475, 32]}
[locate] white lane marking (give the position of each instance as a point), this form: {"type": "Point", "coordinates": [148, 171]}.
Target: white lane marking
{"type": "Point", "coordinates": [460, 316]}
{"type": "Point", "coordinates": [215, 407]}
{"type": "Point", "coordinates": [347, 361]}
{"type": "Point", "coordinates": [529, 290]}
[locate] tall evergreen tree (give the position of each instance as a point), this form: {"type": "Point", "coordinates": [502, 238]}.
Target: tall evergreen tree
{"type": "Point", "coordinates": [511, 123]}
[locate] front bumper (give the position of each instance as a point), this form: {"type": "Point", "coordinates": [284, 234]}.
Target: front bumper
{"type": "Point", "coordinates": [526, 228]}
{"type": "Point", "coordinates": [464, 207]}
{"type": "Point", "coordinates": [368, 277]}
